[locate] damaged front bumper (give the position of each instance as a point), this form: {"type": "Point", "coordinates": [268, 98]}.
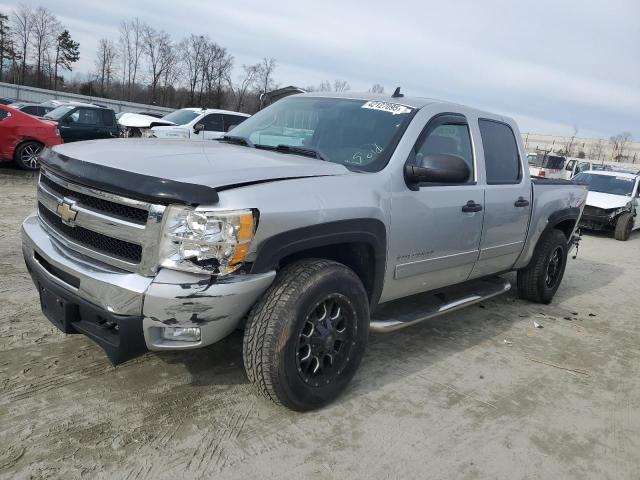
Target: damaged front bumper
{"type": "Point", "coordinates": [126, 313]}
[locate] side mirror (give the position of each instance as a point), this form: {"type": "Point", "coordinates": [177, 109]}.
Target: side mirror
{"type": "Point", "coordinates": [231, 127]}
{"type": "Point", "coordinates": [198, 127]}
{"type": "Point", "coordinates": [437, 168]}
{"type": "Point", "coordinates": [67, 120]}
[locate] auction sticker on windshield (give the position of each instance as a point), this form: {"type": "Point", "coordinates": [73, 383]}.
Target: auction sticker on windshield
{"type": "Point", "coordinates": [393, 108]}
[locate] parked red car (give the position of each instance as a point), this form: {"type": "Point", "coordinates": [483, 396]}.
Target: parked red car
{"type": "Point", "coordinates": [22, 137]}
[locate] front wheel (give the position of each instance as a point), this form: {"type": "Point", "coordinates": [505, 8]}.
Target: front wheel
{"type": "Point", "coordinates": [26, 155]}
{"type": "Point", "coordinates": [624, 225]}
{"type": "Point", "coordinates": [306, 336]}
{"type": "Point", "coordinates": [540, 280]}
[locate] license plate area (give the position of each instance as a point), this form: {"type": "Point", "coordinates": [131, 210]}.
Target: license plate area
{"type": "Point", "coordinates": [58, 310]}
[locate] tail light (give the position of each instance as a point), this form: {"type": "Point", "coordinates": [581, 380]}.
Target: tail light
{"type": "Point", "coordinates": [542, 174]}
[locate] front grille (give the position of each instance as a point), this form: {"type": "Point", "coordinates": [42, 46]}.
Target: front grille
{"type": "Point", "coordinates": [594, 212]}
{"type": "Point", "coordinates": [124, 212]}
{"type": "Point", "coordinates": [126, 251]}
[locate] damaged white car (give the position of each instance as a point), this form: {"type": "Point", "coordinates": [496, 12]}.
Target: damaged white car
{"type": "Point", "coordinates": [198, 123]}
{"type": "Point", "coordinates": [613, 202]}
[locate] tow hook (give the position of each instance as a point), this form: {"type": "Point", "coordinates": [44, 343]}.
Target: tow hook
{"type": "Point", "coordinates": [575, 240]}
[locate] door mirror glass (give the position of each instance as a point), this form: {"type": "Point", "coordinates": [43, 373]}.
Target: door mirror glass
{"type": "Point", "coordinates": [438, 168]}
{"type": "Point", "coordinates": [198, 127]}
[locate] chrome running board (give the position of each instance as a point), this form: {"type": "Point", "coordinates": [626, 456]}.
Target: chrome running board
{"type": "Point", "coordinates": [408, 311]}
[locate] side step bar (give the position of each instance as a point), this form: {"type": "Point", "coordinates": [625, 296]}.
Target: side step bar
{"type": "Point", "coordinates": [404, 312]}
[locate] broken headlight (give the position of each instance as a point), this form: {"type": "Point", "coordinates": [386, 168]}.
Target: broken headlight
{"type": "Point", "coordinates": [203, 241]}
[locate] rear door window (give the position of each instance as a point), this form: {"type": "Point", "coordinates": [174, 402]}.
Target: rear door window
{"type": "Point", "coordinates": [213, 123]}
{"type": "Point", "coordinates": [231, 121]}
{"type": "Point", "coordinates": [501, 157]}
{"type": "Point", "coordinates": [107, 118]}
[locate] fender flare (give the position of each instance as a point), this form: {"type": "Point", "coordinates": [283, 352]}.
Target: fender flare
{"type": "Point", "coordinates": [369, 231]}
{"type": "Point", "coordinates": [559, 216]}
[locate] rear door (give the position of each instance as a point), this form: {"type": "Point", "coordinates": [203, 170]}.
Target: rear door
{"type": "Point", "coordinates": [231, 121]}
{"type": "Point", "coordinates": [213, 127]}
{"type": "Point", "coordinates": [108, 127]}
{"type": "Point", "coordinates": [82, 124]}
{"type": "Point", "coordinates": [507, 199]}
{"type": "Point", "coordinates": [434, 234]}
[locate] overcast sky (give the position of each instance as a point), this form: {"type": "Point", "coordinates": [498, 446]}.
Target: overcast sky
{"type": "Point", "coordinates": [552, 65]}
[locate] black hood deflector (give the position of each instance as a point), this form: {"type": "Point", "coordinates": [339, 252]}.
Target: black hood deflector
{"type": "Point", "coordinates": [128, 184]}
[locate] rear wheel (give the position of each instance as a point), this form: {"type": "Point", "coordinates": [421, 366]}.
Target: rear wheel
{"type": "Point", "coordinates": [624, 225]}
{"type": "Point", "coordinates": [540, 280]}
{"type": "Point", "coordinates": [26, 155]}
{"type": "Point", "coordinates": [306, 336]}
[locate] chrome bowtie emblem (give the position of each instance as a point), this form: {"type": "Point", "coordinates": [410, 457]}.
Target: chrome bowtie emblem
{"type": "Point", "coordinates": [67, 213]}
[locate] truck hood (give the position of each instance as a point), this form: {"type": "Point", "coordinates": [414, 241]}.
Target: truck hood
{"type": "Point", "coordinates": [137, 120]}
{"type": "Point", "coordinates": [182, 171]}
{"type": "Point", "coordinates": [607, 200]}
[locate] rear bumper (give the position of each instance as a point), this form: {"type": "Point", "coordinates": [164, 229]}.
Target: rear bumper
{"type": "Point", "coordinates": [125, 313]}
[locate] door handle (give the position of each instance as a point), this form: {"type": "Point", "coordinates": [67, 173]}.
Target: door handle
{"type": "Point", "coordinates": [471, 207]}
{"type": "Point", "coordinates": [522, 202]}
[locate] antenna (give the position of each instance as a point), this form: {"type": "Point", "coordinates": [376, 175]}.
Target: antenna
{"type": "Point", "coordinates": [397, 94]}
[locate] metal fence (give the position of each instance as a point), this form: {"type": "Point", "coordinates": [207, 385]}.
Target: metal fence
{"type": "Point", "coordinates": [39, 95]}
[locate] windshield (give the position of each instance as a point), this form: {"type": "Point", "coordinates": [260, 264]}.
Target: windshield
{"type": "Point", "coordinates": [181, 117]}
{"type": "Point", "coordinates": [606, 183]}
{"type": "Point", "coordinates": [546, 161]}
{"type": "Point", "coordinates": [58, 113]}
{"type": "Point", "coordinates": [359, 134]}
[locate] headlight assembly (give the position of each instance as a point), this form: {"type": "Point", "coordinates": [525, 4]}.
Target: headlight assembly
{"type": "Point", "coordinates": [205, 241]}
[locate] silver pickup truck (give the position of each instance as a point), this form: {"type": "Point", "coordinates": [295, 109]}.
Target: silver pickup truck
{"type": "Point", "coordinates": [308, 225]}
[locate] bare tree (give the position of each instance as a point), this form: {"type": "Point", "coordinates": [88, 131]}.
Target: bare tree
{"type": "Point", "coordinates": [341, 86]}
{"type": "Point", "coordinates": [376, 88]}
{"type": "Point", "coordinates": [247, 78]}
{"type": "Point", "coordinates": [5, 42]}
{"type": "Point", "coordinates": [265, 81]}
{"type": "Point", "coordinates": [23, 18]}
{"type": "Point", "coordinates": [131, 44]}
{"type": "Point", "coordinates": [157, 47]}
{"type": "Point", "coordinates": [105, 63]}
{"type": "Point", "coordinates": [171, 72]}
{"type": "Point", "coordinates": [45, 26]}
{"type": "Point", "coordinates": [570, 143]}
{"type": "Point", "coordinates": [619, 145]}
{"type": "Point", "coordinates": [325, 86]}
{"type": "Point", "coordinates": [192, 52]}
{"type": "Point", "coordinates": [596, 150]}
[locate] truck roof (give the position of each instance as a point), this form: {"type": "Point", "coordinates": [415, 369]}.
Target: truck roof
{"type": "Point", "coordinates": [413, 102]}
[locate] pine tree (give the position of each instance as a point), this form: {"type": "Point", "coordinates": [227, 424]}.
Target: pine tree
{"type": "Point", "coordinates": [67, 52]}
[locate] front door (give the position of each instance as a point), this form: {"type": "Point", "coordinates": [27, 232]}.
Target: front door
{"type": "Point", "coordinates": [507, 200]}
{"type": "Point", "coordinates": [435, 229]}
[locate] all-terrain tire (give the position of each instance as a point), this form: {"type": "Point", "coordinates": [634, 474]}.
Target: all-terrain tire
{"type": "Point", "coordinates": [540, 280]}
{"type": "Point", "coordinates": [282, 322]}
{"type": "Point", "coordinates": [26, 155]}
{"type": "Point", "coordinates": [624, 225]}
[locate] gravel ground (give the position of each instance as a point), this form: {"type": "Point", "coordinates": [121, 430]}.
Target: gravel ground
{"type": "Point", "coordinates": [479, 393]}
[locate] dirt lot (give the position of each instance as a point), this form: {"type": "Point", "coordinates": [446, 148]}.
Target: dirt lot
{"type": "Point", "coordinates": [475, 394]}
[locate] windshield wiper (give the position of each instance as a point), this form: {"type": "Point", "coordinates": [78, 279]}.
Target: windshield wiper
{"type": "Point", "coordinates": [306, 151]}
{"type": "Point", "coordinates": [237, 140]}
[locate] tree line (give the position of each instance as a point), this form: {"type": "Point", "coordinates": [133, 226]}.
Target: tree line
{"type": "Point", "coordinates": [143, 64]}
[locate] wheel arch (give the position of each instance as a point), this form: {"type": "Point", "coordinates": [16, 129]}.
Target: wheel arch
{"type": "Point", "coordinates": [24, 140]}
{"type": "Point", "coordinates": [360, 244]}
